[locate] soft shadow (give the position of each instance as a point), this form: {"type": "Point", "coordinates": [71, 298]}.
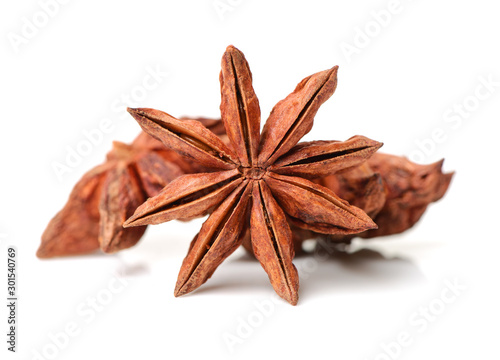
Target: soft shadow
{"type": "Point", "coordinates": [132, 270]}
{"type": "Point", "coordinates": [341, 272]}
{"type": "Point", "coordinates": [242, 275]}
{"type": "Point", "coordinates": [363, 270]}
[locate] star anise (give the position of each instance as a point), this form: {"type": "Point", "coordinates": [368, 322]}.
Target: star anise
{"type": "Point", "coordinates": [109, 193]}
{"type": "Point", "coordinates": [392, 190]}
{"type": "Point", "coordinates": [409, 189]}
{"type": "Point", "coordinates": [259, 181]}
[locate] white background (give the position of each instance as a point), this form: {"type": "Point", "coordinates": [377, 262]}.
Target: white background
{"type": "Point", "coordinates": [79, 65]}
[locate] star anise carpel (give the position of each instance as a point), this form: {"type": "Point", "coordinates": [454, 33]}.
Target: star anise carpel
{"type": "Point", "coordinates": [259, 181]}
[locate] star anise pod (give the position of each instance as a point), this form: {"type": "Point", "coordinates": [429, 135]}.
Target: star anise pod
{"type": "Point", "coordinates": [392, 190]}
{"type": "Point", "coordinates": [409, 189]}
{"type": "Point", "coordinates": [109, 193]}
{"type": "Point", "coordinates": [258, 181]}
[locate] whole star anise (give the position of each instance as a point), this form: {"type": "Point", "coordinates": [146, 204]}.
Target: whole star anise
{"type": "Point", "coordinates": [260, 180]}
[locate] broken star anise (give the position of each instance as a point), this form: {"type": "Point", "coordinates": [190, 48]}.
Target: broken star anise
{"type": "Point", "coordinates": [409, 189]}
{"type": "Point", "coordinates": [109, 193]}
{"type": "Point", "coordinates": [392, 190]}
{"type": "Point", "coordinates": [259, 180]}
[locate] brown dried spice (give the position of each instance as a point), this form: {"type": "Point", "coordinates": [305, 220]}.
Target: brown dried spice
{"type": "Point", "coordinates": [109, 193]}
{"type": "Point", "coordinates": [259, 179]}
{"type": "Point", "coordinates": [394, 191]}
{"type": "Point", "coordinates": [409, 188]}
{"type": "Point", "coordinates": [263, 185]}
